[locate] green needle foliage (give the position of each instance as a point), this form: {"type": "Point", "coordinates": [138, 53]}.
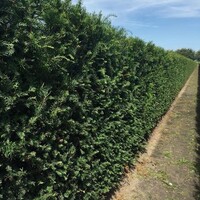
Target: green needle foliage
{"type": "Point", "coordinates": [77, 99]}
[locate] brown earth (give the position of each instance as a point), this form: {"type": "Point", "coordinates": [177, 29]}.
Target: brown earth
{"type": "Point", "coordinates": [170, 168]}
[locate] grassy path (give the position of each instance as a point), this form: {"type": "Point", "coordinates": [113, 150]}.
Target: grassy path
{"type": "Point", "coordinates": [170, 168]}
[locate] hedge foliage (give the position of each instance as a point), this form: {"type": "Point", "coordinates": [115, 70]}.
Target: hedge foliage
{"type": "Point", "coordinates": [77, 97]}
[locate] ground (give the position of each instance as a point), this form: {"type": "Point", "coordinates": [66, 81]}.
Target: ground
{"type": "Point", "coordinates": [170, 167]}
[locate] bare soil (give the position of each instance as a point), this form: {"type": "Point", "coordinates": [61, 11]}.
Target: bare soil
{"type": "Point", "coordinates": [170, 167]}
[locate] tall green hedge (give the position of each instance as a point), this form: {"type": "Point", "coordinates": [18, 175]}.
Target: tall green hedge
{"type": "Point", "coordinates": [77, 99]}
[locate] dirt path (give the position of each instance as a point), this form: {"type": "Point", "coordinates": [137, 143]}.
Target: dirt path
{"type": "Point", "coordinates": [170, 168]}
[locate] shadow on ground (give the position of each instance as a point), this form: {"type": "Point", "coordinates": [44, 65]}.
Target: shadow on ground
{"type": "Point", "coordinates": [197, 192]}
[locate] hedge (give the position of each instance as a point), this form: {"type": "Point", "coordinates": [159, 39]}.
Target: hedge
{"type": "Point", "coordinates": [78, 98]}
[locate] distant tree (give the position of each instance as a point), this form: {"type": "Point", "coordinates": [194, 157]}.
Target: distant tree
{"type": "Point", "coordinates": [189, 53]}
{"type": "Point", "coordinates": [197, 55]}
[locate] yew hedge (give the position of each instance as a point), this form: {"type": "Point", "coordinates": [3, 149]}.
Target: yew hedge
{"type": "Point", "coordinates": [77, 99]}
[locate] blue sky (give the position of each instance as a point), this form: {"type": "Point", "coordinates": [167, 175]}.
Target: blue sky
{"type": "Point", "coordinates": [171, 24]}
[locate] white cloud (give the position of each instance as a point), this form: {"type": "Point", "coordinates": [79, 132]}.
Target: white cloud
{"type": "Point", "coordinates": [137, 14]}
{"type": "Point", "coordinates": [181, 12]}
{"type": "Point", "coordinates": [161, 8]}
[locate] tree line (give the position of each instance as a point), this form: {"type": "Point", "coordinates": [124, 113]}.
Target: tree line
{"type": "Point", "coordinates": [189, 53]}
